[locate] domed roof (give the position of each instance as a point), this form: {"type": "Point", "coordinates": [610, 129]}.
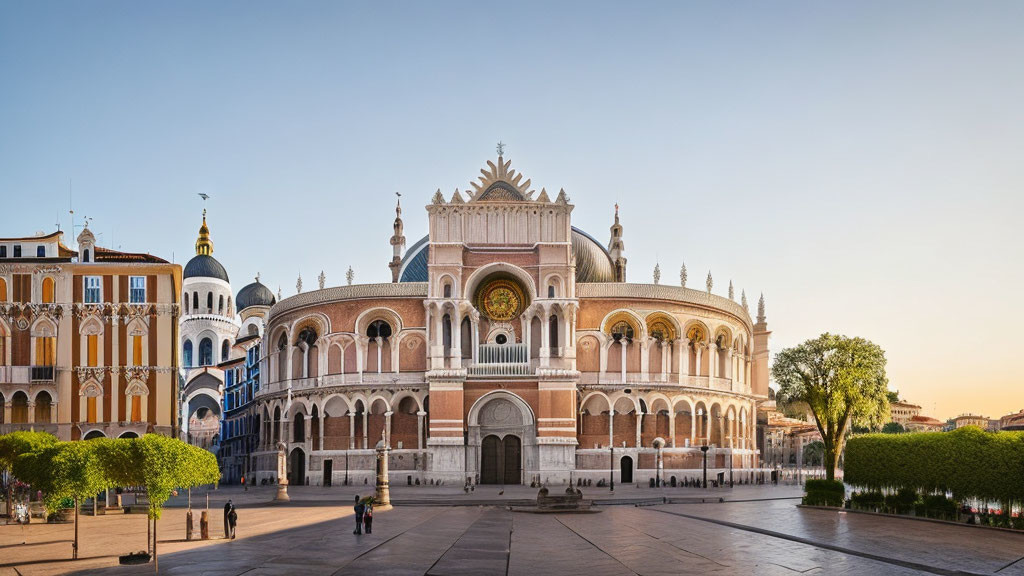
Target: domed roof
{"type": "Point", "coordinates": [254, 294]}
{"type": "Point", "coordinates": [592, 261]}
{"type": "Point", "coordinates": [204, 266]}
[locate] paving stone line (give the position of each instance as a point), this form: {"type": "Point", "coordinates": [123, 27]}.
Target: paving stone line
{"type": "Point", "coordinates": [833, 547]}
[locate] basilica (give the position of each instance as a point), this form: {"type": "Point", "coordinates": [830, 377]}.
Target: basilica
{"type": "Point", "coordinates": [508, 348]}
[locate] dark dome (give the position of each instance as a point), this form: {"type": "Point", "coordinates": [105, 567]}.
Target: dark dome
{"type": "Point", "coordinates": [592, 261]}
{"type": "Point", "coordinates": [203, 266]}
{"type": "Point", "coordinates": [255, 294]}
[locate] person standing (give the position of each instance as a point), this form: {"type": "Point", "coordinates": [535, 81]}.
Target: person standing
{"type": "Point", "coordinates": [228, 508]}
{"type": "Point", "coordinates": [368, 516]}
{"type": "Point", "coordinates": [359, 509]}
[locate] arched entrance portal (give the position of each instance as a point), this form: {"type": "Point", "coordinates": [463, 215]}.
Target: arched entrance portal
{"type": "Point", "coordinates": [502, 439]}
{"type": "Point", "coordinates": [298, 468]}
{"type": "Point", "coordinates": [501, 460]}
{"type": "Point", "coordinates": [626, 472]}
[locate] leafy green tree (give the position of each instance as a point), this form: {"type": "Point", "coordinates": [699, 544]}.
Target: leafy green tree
{"type": "Point", "coordinates": [842, 380]}
{"type": "Point", "coordinates": [65, 470]}
{"type": "Point", "coordinates": [14, 445]}
{"type": "Point", "coordinates": [814, 453]}
{"type": "Point", "coordinates": [894, 396]}
{"type": "Point", "coordinates": [893, 428]}
{"type": "Point", "coordinates": [160, 465]}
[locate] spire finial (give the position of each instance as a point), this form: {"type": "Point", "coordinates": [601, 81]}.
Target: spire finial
{"type": "Point", "coordinates": [760, 310]}
{"type": "Point", "coordinates": [322, 278]}
{"type": "Point", "coordinates": [743, 301]}
{"type": "Point", "coordinates": [710, 282]}
{"type": "Point", "coordinates": [279, 295]}
{"type": "Point", "coordinates": [298, 284]}
{"type": "Point", "coordinates": [501, 148]}
{"type": "Point", "coordinates": [350, 275]}
{"type": "Point", "coordinates": [657, 273]}
{"type": "Point", "coordinates": [204, 245]}
{"type": "Point", "coordinates": [682, 275]}
{"type": "Point", "coordinates": [732, 293]}
{"type": "Point", "coordinates": [257, 277]}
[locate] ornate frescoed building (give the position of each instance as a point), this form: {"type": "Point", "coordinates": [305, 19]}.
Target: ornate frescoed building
{"type": "Point", "coordinates": [509, 349]}
{"type": "Point", "coordinates": [88, 339]}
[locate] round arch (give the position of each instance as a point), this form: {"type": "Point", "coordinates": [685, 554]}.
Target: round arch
{"type": "Point", "coordinates": [483, 272]}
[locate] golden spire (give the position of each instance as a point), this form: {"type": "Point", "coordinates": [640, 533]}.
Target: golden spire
{"type": "Point", "coordinates": [204, 246]}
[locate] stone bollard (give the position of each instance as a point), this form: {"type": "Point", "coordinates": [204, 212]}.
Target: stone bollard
{"type": "Point", "coordinates": [188, 525]}
{"type": "Point", "coordinates": [204, 525]}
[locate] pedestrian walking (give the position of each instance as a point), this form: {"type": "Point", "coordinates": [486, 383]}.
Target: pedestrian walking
{"type": "Point", "coordinates": [228, 509]}
{"type": "Point", "coordinates": [232, 521]}
{"type": "Point", "coordinates": [359, 509]}
{"type": "Point", "coordinates": [368, 516]}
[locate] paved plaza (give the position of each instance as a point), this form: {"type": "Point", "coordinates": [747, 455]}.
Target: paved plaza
{"type": "Point", "coordinates": [757, 530]}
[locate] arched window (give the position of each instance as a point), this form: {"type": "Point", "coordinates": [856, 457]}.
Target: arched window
{"type": "Point", "coordinates": [553, 334]}
{"type": "Point", "coordinates": [225, 349]}
{"type": "Point", "coordinates": [447, 289]}
{"type": "Point", "coordinates": [220, 304]}
{"type": "Point", "coordinates": [209, 302]}
{"type": "Point", "coordinates": [622, 330]}
{"type": "Point", "coordinates": [446, 333]}
{"type": "Point", "coordinates": [206, 352]}
{"type": "Point", "coordinates": [379, 329]}
{"type": "Point", "coordinates": [48, 290]}
{"type": "Point", "coordinates": [186, 354]}
{"type": "Point", "coordinates": [230, 313]}
{"type": "Point", "coordinates": [299, 428]}
{"type": "Point", "coordinates": [85, 255]}
{"type": "Point", "coordinates": [3, 290]}
{"type": "Point", "coordinates": [43, 408]}
{"type": "Point", "coordinates": [186, 303]}
{"type": "Point", "coordinates": [195, 302]}
{"type": "Point", "coordinates": [551, 291]}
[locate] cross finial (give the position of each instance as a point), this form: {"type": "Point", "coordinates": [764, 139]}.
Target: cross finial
{"type": "Point", "coordinates": [501, 148]}
{"type": "Point", "coordinates": [257, 277]}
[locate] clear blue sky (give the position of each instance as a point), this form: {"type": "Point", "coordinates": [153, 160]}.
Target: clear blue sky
{"type": "Point", "coordinates": [860, 163]}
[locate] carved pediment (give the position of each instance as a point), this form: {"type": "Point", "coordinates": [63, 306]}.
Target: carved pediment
{"type": "Point", "coordinates": [499, 183]}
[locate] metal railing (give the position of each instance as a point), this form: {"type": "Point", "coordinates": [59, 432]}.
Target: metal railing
{"type": "Point", "coordinates": [501, 360]}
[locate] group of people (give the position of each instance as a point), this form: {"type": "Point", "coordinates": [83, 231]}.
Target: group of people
{"type": "Point", "coordinates": [364, 515]}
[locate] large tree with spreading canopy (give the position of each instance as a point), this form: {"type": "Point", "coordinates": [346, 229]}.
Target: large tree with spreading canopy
{"type": "Point", "coordinates": [842, 380]}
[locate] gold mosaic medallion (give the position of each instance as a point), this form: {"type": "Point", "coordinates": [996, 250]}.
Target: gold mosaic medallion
{"type": "Point", "coordinates": [502, 300]}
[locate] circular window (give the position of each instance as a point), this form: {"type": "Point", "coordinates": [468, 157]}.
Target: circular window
{"type": "Point", "coordinates": [501, 300]}
{"type": "Point", "coordinates": [501, 339]}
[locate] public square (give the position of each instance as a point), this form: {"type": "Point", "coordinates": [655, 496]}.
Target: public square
{"type": "Point", "coordinates": [441, 531]}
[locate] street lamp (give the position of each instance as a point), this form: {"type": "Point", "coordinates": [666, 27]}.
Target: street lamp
{"type": "Point", "coordinates": [704, 449]}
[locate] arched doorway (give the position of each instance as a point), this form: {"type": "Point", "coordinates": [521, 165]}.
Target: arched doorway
{"type": "Point", "coordinates": [626, 470]}
{"type": "Point", "coordinates": [298, 471]}
{"type": "Point", "coordinates": [501, 460]}
{"type": "Point", "coordinates": [502, 439]}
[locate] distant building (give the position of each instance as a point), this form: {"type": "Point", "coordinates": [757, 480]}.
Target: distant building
{"type": "Point", "coordinates": [1012, 422]}
{"type": "Point", "coordinates": [87, 339]}
{"type": "Point", "coordinates": [982, 422]}
{"type": "Point", "coordinates": [902, 412]}
{"type": "Point", "coordinates": [924, 424]}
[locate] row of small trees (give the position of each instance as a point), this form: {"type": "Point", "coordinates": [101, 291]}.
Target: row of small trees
{"type": "Point", "coordinates": [82, 469]}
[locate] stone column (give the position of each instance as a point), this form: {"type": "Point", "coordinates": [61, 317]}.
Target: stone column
{"type": "Point", "coordinates": [351, 430]}
{"type": "Point", "coordinates": [611, 427]}
{"type": "Point", "coordinates": [32, 412]}
{"type": "Point", "coordinates": [672, 426]}
{"type": "Point", "coordinates": [645, 358]}
{"type": "Point", "coordinates": [545, 340]}
{"type": "Point", "coordinates": [456, 349]}
{"type": "Point", "coordinates": [53, 412]}
{"type": "Point", "coordinates": [693, 427]}
{"type": "Point", "coordinates": [419, 429]}
{"type": "Point", "coordinates": [684, 358]}
{"type": "Point", "coordinates": [321, 426]}
{"type": "Point", "coordinates": [622, 347]}
{"type": "Point", "coordinates": [308, 425]}
{"type": "Point", "coordinates": [387, 429]}
{"type": "Point", "coordinates": [366, 425]}
{"type": "Point", "coordinates": [380, 354]}
{"type": "Point", "coordinates": [700, 354]}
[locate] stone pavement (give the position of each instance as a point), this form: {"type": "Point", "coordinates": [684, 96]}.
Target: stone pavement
{"type": "Point", "coordinates": [313, 535]}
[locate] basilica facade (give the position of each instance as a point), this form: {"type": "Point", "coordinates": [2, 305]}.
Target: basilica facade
{"type": "Point", "coordinates": [508, 348]}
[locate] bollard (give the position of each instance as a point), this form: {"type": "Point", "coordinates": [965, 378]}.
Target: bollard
{"type": "Point", "coordinates": [188, 525]}
{"type": "Point", "coordinates": [204, 525]}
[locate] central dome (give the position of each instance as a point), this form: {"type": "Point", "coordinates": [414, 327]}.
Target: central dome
{"type": "Point", "coordinates": [592, 261]}
{"type": "Point", "coordinates": [203, 266]}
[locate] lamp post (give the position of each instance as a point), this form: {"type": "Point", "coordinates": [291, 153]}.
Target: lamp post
{"type": "Point", "coordinates": [611, 467]}
{"type": "Point", "coordinates": [704, 449]}
{"type": "Point", "coordinates": [346, 467]}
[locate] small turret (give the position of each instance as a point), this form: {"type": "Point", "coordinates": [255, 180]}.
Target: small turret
{"type": "Point", "coordinates": [617, 249]}
{"type": "Point", "coordinates": [398, 240]}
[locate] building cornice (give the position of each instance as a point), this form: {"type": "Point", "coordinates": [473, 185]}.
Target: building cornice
{"type": "Point", "coordinates": [629, 291]}
{"type": "Point", "coordinates": [355, 292]}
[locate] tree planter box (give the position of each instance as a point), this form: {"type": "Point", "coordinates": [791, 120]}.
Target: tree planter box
{"type": "Point", "coordinates": [135, 558]}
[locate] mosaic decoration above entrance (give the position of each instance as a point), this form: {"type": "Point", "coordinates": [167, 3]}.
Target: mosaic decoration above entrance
{"type": "Point", "coordinates": [501, 300]}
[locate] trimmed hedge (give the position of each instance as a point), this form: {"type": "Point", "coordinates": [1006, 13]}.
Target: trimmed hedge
{"type": "Point", "coordinates": [968, 462]}
{"type": "Point", "coordinates": [824, 493]}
